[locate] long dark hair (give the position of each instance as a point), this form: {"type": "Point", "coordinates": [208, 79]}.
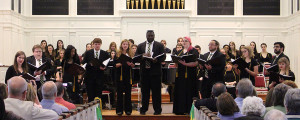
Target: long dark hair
{"type": "Point", "coordinates": [24, 64]}
{"type": "Point", "coordinates": [67, 55]}
{"type": "Point", "coordinates": [48, 54]}
{"type": "Point", "coordinates": [57, 48]}
{"type": "Point", "coordinates": [254, 50]}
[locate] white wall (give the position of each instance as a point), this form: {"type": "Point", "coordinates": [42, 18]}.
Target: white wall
{"type": "Point", "coordinates": [22, 31]}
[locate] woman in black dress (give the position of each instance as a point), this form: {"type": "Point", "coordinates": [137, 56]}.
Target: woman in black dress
{"type": "Point", "coordinates": [230, 79]}
{"type": "Point", "coordinates": [50, 53]}
{"type": "Point", "coordinates": [59, 47]}
{"type": "Point", "coordinates": [254, 49]}
{"type": "Point", "coordinates": [252, 66]}
{"type": "Point", "coordinates": [70, 58]}
{"type": "Point", "coordinates": [179, 41]}
{"type": "Point", "coordinates": [124, 79]}
{"type": "Point", "coordinates": [233, 52]}
{"type": "Point", "coordinates": [19, 67]}
{"type": "Point", "coordinates": [185, 84]}
{"type": "Point", "coordinates": [263, 57]}
{"type": "Point", "coordinates": [58, 66]}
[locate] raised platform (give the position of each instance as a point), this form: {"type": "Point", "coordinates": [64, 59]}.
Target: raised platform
{"type": "Point", "coordinates": [111, 115]}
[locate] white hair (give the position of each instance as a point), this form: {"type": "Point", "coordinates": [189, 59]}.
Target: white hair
{"type": "Point", "coordinates": [275, 115]}
{"type": "Point", "coordinates": [16, 86]}
{"type": "Point", "coordinates": [253, 105]}
{"type": "Point", "coordinates": [49, 90]}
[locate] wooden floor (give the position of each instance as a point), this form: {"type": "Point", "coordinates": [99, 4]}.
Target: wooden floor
{"type": "Point", "coordinates": [111, 115]}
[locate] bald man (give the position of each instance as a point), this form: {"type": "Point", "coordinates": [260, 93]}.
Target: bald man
{"type": "Point", "coordinates": [49, 92]}
{"type": "Point", "coordinates": [17, 89]}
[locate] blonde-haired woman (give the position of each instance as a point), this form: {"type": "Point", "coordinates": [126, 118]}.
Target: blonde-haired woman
{"type": "Point", "coordinates": [284, 69]}
{"type": "Point", "coordinates": [31, 94]}
{"type": "Point", "coordinates": [112, 47]}
{"type": "Point", "coordinates": [252, 66]}
{"type": "Point", "coordinates": [124, 79]}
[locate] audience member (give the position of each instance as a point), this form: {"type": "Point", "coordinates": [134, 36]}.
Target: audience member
{"type": "Point", "coordinates": [3, 91]}
{"type": "Point", "coordinates": [32, 94]}
{"type": "Point", "coordinates": [7, 115]}
{"type": "Point", "coordinates": [228, 109]}
{"type": "Point", "coordinates": [244, 89]}
{"type": "Point", "coordinates": [292, 103]}
{"type": "Point", "coordinates": [275, 115]}
{"type": "Point", "coordinates": [253, 108]}
{"type": "Point", "coordinates": [59, 99]}
{"type": "Point", "coordinates": [210, 103]}
{"type": "Point", "coordinates": [278, 97]}
{"type": "Point", "coordinates": [17, 89]}
{"type": "Point", "coordinates": [49, 92]}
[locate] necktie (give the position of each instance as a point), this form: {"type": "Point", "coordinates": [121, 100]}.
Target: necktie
{"type": "Point", "coordinates": [41, 76]}
{"type": "Point", "coordinates": [97, 54]}
{"type": "Point", "coordinates": [208, 58]}
{"type": "Point", "coordinates": [148, 52]}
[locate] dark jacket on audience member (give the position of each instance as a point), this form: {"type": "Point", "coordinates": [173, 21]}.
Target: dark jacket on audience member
{"type": "Point", "coordinates": [210, 103]}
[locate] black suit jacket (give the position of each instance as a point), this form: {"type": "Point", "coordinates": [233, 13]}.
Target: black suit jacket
{"type": "Point", "coordinates": [89, 55]}
{"type": "Point", "coordinates": [157, 49]}
{"type": "Point", "coordinates": [217, 72]}
{"type": "Point", "coordinates": [276, 59]}
{"type": "Point", "coordinates": [49, 68]}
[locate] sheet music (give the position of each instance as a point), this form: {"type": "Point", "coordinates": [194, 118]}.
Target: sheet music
{"type": "Point", "coordinates": [105, 62]}
{"type": "Point", "coordinates": [84, 66]}
{"type": "Point", "coordinates": [168, 57]}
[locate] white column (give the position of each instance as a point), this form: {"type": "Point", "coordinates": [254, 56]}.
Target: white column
{"type": "Point", "coordinates": [238, 7]}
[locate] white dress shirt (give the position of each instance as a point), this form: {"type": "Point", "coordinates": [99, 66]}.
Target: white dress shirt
{"type": "Point", "coordinates": [95, 53]}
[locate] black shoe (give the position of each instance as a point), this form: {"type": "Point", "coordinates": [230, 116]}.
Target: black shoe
{"type": "Point", "coordinates": [156, 113]}
{"type": "Point", "coordinates": [142, 113]}
{"type": "Point", "coordinates": [128, 113]}
{"type": "Point", "coordinates": [120, 113]}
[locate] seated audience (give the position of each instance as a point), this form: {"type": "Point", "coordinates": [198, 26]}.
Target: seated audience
{"type": "Point", "coordinates": [292, 104]}
{"type": "Point", "coordinates": [17, 89]}
{"type": "Point", "coordinates": [3, 91]}
{"type": "Point", "coordinates": [32, 94]}
{"type": "Point", "coordinates": [7, 115]}
{"type": "Point", "coordinates": [244, 88]}
{"type": "Point", "coordinates": [253, 108]}
{"type": "Point", "coordinates": [210, 103]}
{"type": "Point", "coordinates": [290, 83]}
{"type": "Point", "coordinates": [49, 92]}
{"type": "Point", "coordinates": [269, 98]}
{"type": "Point", "coordinates": [278, 97]}
{"type": "Point", "coordinates": [275, 115]}
{"type": "Point", "coordinates": [228, 109]}
{"type": "Point", "coordinates": [59, 99]}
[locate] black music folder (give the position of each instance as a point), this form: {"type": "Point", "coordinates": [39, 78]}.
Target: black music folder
{"type": "Point", "coordinates": [186, 58]}
{"type": "Point", "coordinates": [41, 67]}
{"type": "Point", "coordinates": [240, 62]}
{"type": "Point", "coordinates": [214, 61]}
{"type": "Point", "coordinates": [75, 69]}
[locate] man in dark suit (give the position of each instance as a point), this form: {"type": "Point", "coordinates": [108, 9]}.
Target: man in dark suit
{"type": "Point", "coordinates": [215, 72]}
{"type": "Point", "coordinates": [37, 60]}
{"type": "Point", "coordinates": [94, 76]}
{"type": "Point", "coordinates": [278, 50]}
{"type": "Point", "coordinates": [151, 73]}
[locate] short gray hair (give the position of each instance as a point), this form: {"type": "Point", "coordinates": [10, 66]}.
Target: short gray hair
{"type": "Point", "coordinates": [218, 89]}
{"type": "Point", "coordinates": [275, 115]}
{"type": "Point", "coordinates": [279, 93]}
{"type": "Point", "coordinates": [253, 105]}
{"type": "Point", "coordinates": [49, 90]}
{"type": "Point", "coordinates": [292, 100]}
{"type": "Point", "coordinates": [16, 86]}
{"type": "Point", "coordinates": [244, 88]}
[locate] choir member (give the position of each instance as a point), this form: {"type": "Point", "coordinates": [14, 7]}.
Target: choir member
{"type": "Point", "coordinates": [252, 67]}
{"type": "Point", "coordinates": [43, 45]}
{"type": "Point", "coordinates": [88, 47]}
{"type": "Point", "coordinates": [150, 72]}
{"type": "Point", "coordinates": [185, 85]}
{"type": "Point", "coordinates": [19, 67]}
{"type": "Point", "coordinates": [230, 79]}
{"type": "Point", "coordinates": [70, 58]}
{"type": "Point", "coordinates": [133, 49]}
{"type": "Point", "coordinates": [214, 72]}
{"type": "Point", "coordinates": [233, 52]}
{"type": "Point", "coordinates": [112, 47]}
{"type": "Point", "coordinates": [131, 41]}
{"type": "Point", "coordinates": [284, 69]}
{"type": "Point", "coordinates": [198, 48]}
{"type": "Point", "coordinates": [179, 41]}
{"type": "Point", "coordinates": [226, 47]}
{"type": "Point", "coordinates": [164, 42]}
{"type": "Point", "coordinates": [94, 75]}
{"type": "Point", "coordinates": [278, 50]}
{"type": "Point", "coordinates": [59, 47]}
{"type": "Point", "coordinates": [124, 79]}
{"type": "Point", "coordinates": [227, 57]}
{"type": "Point", "coordinates": [253, 47]}
{"type": "Point", "coordinates": [240, 52]}
{"type": "Point", "coordinates": [58, 65]}
{"type": "Point", "coordinates": [42, 75]}
{"type": "Point", "coordinates": [264, 56]}
{"type": "Point", "coordinates": [50, 52]}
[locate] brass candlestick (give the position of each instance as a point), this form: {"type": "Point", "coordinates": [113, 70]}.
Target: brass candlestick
{"type": "Point", "coordinates": [132, 4]}
{"type": "Point", "coordinates": [164, 4]}
{"type": "Point", "coordinates": [142, 4]}
{"type": "Point", "coordinates": [178, 4]}
{"type": "Point", "coordinates": [136, 4]}
{"type": "Point", "coordinates": [182, 4]}
{"type": "Point", "coordinates": [128, 3]}
{"type": "Point", "coordinates": [158, 4]}
{"type": "Point", "coordinates": [153, 2]}
{"type": "Point", "coordinates": [174, 4]}
{"type": "Point", "coordinates": [169, 4]}
{"type": "Point", "coordinates": [147, 4]}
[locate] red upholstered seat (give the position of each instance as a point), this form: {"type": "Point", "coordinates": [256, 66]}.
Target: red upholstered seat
{"type": "Point", "coordinates": [105, 91]}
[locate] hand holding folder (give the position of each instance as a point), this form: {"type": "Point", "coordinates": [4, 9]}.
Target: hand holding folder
{"type": "Point", "coordinates": [186, 58]}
